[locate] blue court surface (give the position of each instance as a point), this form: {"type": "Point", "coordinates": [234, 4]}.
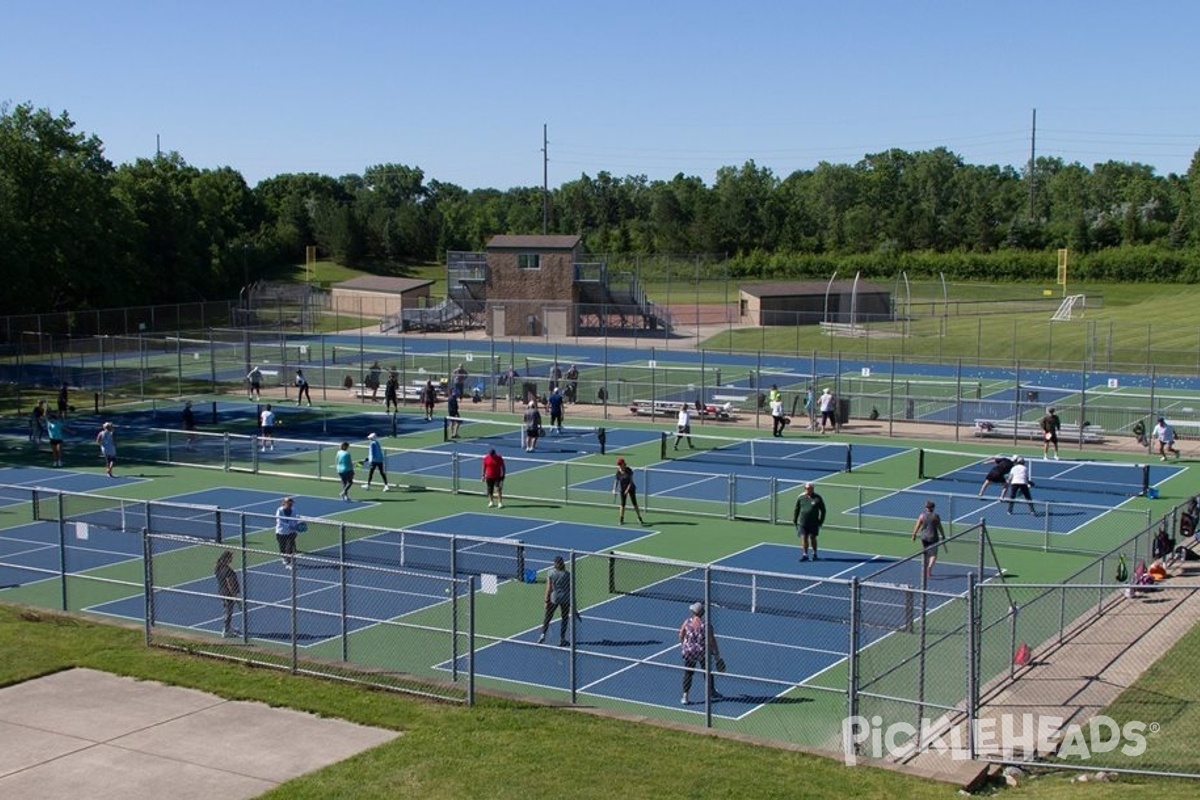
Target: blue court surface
{"type": "Point", "coordinates": [59, 479]}
{"type": "Point", "coordinates": [370, 594]}
{"type": "Point", "coordinates": [786, 629]}
{"type": "Point", "coordinates": [1074, 493]}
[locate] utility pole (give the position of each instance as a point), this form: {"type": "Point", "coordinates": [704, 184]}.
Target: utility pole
{"type": "Point", "coordinates": [1032, 162]}
{"type": "Point", "coordinates": [545, 182]}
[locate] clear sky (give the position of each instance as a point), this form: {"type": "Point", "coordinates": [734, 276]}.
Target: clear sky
{"type": "Point", "coordinates": [462, 89]}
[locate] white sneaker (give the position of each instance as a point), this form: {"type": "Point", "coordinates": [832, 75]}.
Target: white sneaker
{"type": "Point", "coordinates": [491, 504]}
{"type": "Point", "coordinates": [499, 505]}
{"type": "Point", "coordinates": [387, 488]}
{"type": "Point", "coordinates": [1056, 456]}
{"type": "Point", "coordinates": [684, 701]}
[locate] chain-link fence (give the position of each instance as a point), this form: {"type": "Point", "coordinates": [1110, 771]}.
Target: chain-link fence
{"type": "Point", "coordinates": [820, 661]}
{"type": "Point", "coordinates": [892, 396]}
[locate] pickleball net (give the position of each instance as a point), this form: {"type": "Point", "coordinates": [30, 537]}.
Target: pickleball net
{"type": "Point", "coordinates": [1092, 477]}
{"type": "Point", "coordinates": [451, 554]}
{"type": "Point", "coordinates": [882, 606]}
{"type": "Point", "coordinates": [511, 435]}
{"type": "Point", "coordinates": [792, 454]}
{"type": "Point", "coordinates": [132, 516]}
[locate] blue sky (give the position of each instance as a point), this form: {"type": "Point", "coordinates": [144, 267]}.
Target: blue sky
{"type": "Point", "coordinates": [654, 88]}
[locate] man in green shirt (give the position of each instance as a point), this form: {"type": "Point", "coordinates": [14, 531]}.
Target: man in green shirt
{"type": "Point", "coordinates": [808, 517]}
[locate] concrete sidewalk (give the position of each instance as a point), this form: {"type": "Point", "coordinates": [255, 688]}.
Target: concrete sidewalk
{"type": "Point", "coordinates": [88, 734]}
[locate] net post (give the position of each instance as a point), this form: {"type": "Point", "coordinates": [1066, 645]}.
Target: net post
{"type": "Point", "coordinates": [148, 580]}
{"type": "Point", "coordinates": [921, 463]}
{"type": "Point", "coordinates": [62, 551]}
{"type": "Point", "coordinates": [662, 446]}
{"type": "Point", "coordinates": [1145, 480]}
{"type": "Point", "coordinates": [909, 611]}
{"type": "Point", "coordinates": [35, 509]}
{"type": "Point", "coordinates": [520, 576]}
{"type": "Point", "coordinates": [849, 457]}
{"type": "Point", "coordinates": [220, 531]}
{"type": "Point", "coordinates": [612, 573]}
{"type": "Point", "coordinates": [445, 429]}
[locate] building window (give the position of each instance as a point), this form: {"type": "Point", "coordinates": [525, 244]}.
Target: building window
{"type": "Point", "coordinates": [529, 261]}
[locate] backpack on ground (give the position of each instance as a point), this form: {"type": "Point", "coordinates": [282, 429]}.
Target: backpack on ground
{"type": "Point", "coordinates": [1122, 573]}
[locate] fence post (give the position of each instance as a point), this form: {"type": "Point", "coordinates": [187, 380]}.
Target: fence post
{"type": "Point", "coordinates": [973, 659]}
{"type": "Point", "coordinates": [62, 544]}
{"type": "Point", "coordinates": [852, 668]}
{"type": "Point", "coordinates": [342, 581]}
{"type": "Point", "coordinates": [148, 582]}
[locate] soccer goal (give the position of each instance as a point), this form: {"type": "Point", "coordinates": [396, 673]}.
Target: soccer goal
{"type": "Point", "coordinates": [1067, 308]}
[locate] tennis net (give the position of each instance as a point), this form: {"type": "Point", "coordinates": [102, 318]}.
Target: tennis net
{"type": "Point", "coordinates": [1093, 477]}
{"type": "Point", "coordinates": [493, 433]}
{"type": "Point", "coordinates": [440, 552]}
{"type": "Point", "coordinates": [795, 454]}
{"type": "Point", "coordinates": [880, 606]}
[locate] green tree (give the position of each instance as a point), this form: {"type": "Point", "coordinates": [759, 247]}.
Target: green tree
{"type": "Point", "coordinates": [63, 234]}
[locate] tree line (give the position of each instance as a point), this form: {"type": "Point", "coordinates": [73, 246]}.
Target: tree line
{"type": "Point", "coordinates": [79, 232]}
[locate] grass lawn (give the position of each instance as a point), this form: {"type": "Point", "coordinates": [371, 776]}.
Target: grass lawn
{"type": "Point", "coordinates": [499, 748]}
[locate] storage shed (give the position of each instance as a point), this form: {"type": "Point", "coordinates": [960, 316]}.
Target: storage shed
{"type": "Point", "coordinates": [813, 302]}
{"type": "Point", "coordinates": [378, 296]}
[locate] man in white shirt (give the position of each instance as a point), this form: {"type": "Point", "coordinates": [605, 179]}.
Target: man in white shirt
{"type": "Point", "coordinates": [1019, 482]}
{"type": "Point", "coordinates": [266, 425]}
{"type": "Point", "coordinates": [683, 427]}
{"type": "Point", "coordinates": [777, 419]}
{"type": "Point", "coordinates": [825, 404]}
{"type": "Point", "coordinates": [1164, 434]}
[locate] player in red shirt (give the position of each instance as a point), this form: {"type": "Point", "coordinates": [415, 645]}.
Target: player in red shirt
{"type": "Point", "coordinates": [493, 476]}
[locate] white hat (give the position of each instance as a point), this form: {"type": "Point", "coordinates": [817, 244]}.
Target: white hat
{"type": "Point", "coordinates": [697, 608]}
{"type": "Point", "coordinates": [826, 390]}
{"type": "Point", "coordinates": [370, 436]}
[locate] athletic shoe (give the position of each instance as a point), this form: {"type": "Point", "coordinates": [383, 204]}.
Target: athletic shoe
{"type": "Point", "coordinates": [815, 557]}
{"type": "Point", "coordinates": [491, 504]}
{"type": "Point", "coordinates": [1163, 458]}
{"type": "Point", "coordinates": [1056, 456]}
{"type": "Point", "coordinates": [228, 634]}
{"type": "Point", "coordinates": [684, 701]}
{"type": "Point", "coordinates": [366, 486]}
{"type": "Point", "coordinates": [499, 505]}
{"type": "Point", "coordinates": [621, 520]}
{"type": "Point", "coordinates": [387, 488]}
{"type": "Point", "coordinates": [563, 643]}
{"type": "Point", "coordinates": [541, 639]}
{"type": "Point", "coordinates": [804, 557]}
